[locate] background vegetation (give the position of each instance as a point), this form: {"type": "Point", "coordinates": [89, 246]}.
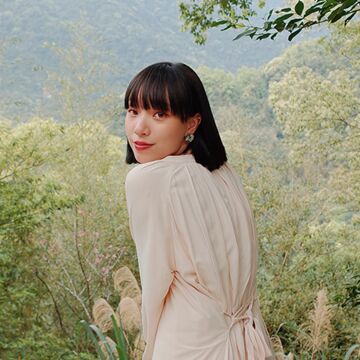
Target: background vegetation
{"type": "Point", "coordinates": [292, 131]}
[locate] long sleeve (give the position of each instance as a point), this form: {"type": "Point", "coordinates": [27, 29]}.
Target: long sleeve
{"type": "Point", "coordinates": [151, 226]}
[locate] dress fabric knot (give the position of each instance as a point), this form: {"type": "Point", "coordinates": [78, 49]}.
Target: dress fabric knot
{"type": "Point", "coordinates": [255, 344]}
{"type": "Point", "coordinates": [235, 317]}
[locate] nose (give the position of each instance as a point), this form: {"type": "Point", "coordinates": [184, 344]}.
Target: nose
{"type": "Point", "coordinates": [141, 127]}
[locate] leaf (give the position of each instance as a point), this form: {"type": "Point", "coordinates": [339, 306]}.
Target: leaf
{"type": "Point", "coordinates": [327, 7]}
{"type": "Point", "coordinates": [299, 7]}
{"type": "Point", "coordinates": [263, 36]}
{"type": "Point", "coordinates": [239, 26]}
{"type": "Point", "coordinates": [349, 18]}
{"type": "Point", "coordinates": [272, 37]}
{"type": "Point", "coordinates": [120, 339]}
{"type": "Point", "coordinates": [293, 34]}
{"type": "Point", "coordinates": [101, 336]}
{"type": "Point", "coordinates": [329, 4]}
{"type": "Point", "coordinates": [252, 35]}
{"type": "Point", "coordinates": [284, 10]}
{"type": "Point", "coordinates": [261, 4]}
{"type": "Point", "coordinates": [348, 3]}
{"type": "Point", "coordinates": [280, 26]}
{"type": "Point", "coordinates": [309, 23]}
{"type": "Point", "coordinates": [336, 15]}
{"type": "Point", "coordinates": [225, 28]}
{"type": "Point", "coordinates": [292, 23]}
{"type": "Point", "coordinates": [217, 23]}
{"type": "Point", "coordinates": [93, 338]}
{"type": "Point", "coordinates": [270, 13]}
{"type": "Point", "coordinates": [267, 25]}
{"type": "Point", "coordinates": [245, 33]}
{"type": "Point", "coordinates": [333, 13]}
{"type": "Point", "coordinates": [284, 17]}
{"type": "Point", "coordinates": [350, 351]}
{"type": "Point", "coordinates": [311, 10]}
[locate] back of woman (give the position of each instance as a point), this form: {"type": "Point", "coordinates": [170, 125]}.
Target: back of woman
{"type": "Point", "coordinates": [198, 256]}
{"type": "Point", "coordinates": [197, 250]}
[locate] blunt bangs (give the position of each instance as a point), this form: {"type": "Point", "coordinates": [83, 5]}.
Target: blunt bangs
{"type": "Point", "coordinates": [161, 87]}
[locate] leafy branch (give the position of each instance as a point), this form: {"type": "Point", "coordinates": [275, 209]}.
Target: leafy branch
{"type": "Point", "coordinates": [296, 19]}
{"type": "Point", "coordinates": [199, 17]}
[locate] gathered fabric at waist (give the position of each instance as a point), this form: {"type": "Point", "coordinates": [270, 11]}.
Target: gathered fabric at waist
{"type": "Point", "coordinates": [245, 335]}
{"type": "Point", "coordinates": [194, 326]}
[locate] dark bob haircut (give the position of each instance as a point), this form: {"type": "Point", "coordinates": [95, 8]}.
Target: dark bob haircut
{"type": "Point", "coordinates": [176, 88]}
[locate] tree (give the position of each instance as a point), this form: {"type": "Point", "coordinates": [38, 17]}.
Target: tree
{"type": "Point", "coordinates": [28, 201]}
{"type": "Point", "coordinates": [199, 16]}
{"type": "Point", "coordinates": [303, 186]}
{"type": "Point", "coordinates": [63, 227]}
{"type": "Point", "coordinates": [78, 89]}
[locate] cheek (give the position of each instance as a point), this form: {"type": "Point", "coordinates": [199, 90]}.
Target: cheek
{"type": "Point", "coordinates": [128, 126]}
{"type": "Point", "coordinates": [176, 132]}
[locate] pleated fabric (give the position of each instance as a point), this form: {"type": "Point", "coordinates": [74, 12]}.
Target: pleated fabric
{"type": "Point", "coordinates": [196, 244]}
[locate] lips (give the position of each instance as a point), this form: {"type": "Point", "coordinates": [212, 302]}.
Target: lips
{"type": "Point", "coordinates": [141, 145]}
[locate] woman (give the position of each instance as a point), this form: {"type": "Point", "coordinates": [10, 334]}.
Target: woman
{"type": "Point", "coordinates": [192, 225]}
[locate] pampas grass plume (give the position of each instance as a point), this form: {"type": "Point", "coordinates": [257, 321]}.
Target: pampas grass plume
{"type": "Point", "coordinates": [126, 284]}
{"type": "Point", "coordinates": [317, 329]}
{"type": "Point", "coordinates": [139, 347]}
{"type": "Point", "coordinates": [102, 312]}
{"type": "Point", "coordinates": [279, 350]}
{"type": "Point", "coordinates": [112, 345]}
{"type": "Point", "coordinates": [129, 313]}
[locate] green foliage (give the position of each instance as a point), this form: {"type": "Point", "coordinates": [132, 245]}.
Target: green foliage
{"type": "Point", "coordinates": [39, 344]}
{"type": "Point", "coordinates": [310, 54]}
{"type": "Point", "coordinates": [244, 92]}
{"type": "Point", "coordinates": [350, 351]}
{"type": "Point", "coordinates": [98, 337]}
{"type": "Point", "coordinates": [27, 201]}
{"type": "Point", "coordinates": [318, 113]}
{"type": "Point", "coordinates": [93, 330]}
{"type": "Point", "coordinates": [121, 346]}
{"type": "Point", "coordinates": [291, 130]}
{"type": "Point", "coordinates": [302, 175]}
{"type": "Point", "coordinates": [81, 91]}
{"type": "Point", "coordinates": [76, 64]}
{"type": "Point", "coordinates": [198, 17]}
{"type": "Point", "coordinates": [48, 171]}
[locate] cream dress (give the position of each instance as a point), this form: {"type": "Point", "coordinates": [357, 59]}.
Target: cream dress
{"type": "Point", "coordinates": [197, 251]}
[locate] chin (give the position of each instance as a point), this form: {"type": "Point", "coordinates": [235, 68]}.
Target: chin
{"type": "Point", "coordinates": [142, 159]}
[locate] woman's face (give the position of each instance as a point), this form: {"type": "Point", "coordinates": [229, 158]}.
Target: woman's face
{"type": "Point", "coordinates": [154, 134]}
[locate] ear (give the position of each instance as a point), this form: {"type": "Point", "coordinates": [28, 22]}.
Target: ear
{"type": "Point", "coordinates": [193, 123]}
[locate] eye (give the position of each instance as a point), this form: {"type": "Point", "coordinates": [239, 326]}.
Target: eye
{"type": "Point", "coordinates": [160, 115]}
{"type": "Point", "coordinates": [132, 111]}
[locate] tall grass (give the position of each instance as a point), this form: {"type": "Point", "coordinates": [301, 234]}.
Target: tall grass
{"type": "Point", "coordinates": [117, 335]}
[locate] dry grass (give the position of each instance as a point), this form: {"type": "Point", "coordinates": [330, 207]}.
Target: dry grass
{"type": "Point", "coordinates": [102, 312]}
{"type": "Point", "coordinates": [112, 345]}
{"type": "Point", "coordinates": [279, 350]}
{"type": "Point", "coordinates": [129, 313]}
{"type": "Point", "coordinates": [139, 347]}
{"type": "Point", "coordinates": [126, 284]}
{"type": "Point", "coordinates": [317, 330]}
